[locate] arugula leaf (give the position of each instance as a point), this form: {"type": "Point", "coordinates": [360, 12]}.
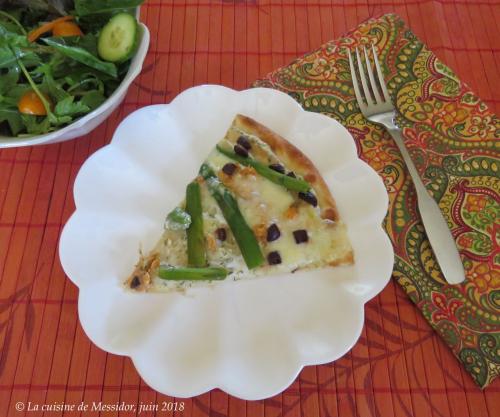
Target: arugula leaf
{"type": "Point", "coordinates": [68, 107]}
{"type": "Point", "coordinates": [13, 118]}
{"type": "Point", "coordinates": [54, 89]}
{"type": "Point", "coordinates": [34, 125]}
{"type": "Point", "coordinates": [14, 46]}
{"type": "Point", "coordinates": [59, 120]}
{"type": "Point", "coordinates": [9, 79]}
{"type": "Point", "coordinates": [84, 84]}
{"type": "Point", "coordinates": [75, 72]}
{"type": "Point", "coordinates": [86, 7]}
{"type": "Point", "coordinates": [11, 27]}
{"type": "Point", "coordinates": [8, 39]}
{"type": "Point", "coordinates": [87, 42]}
{"type": "Point", "coordinates": [12, 38]}
{"type": "Point", "coordinates": [28, 58]}
{"type": "Point", "coordinates": [7, 57]}
{"type": "Point", "coordinates": [52, 86]}
{"type": "Point", "coordinates": [82, 56]}
{"type": "Point", "coordinates": [93, 99]}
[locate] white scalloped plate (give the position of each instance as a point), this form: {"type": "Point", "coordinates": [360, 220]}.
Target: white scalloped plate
{"type": "Point", "coordinates": [249, 338]}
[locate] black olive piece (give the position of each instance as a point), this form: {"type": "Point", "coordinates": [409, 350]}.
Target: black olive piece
{"type": "Point", "coordinates": [241, 151]}
{"type": "Point", "coordinates": [273, 232]}
{"type": "Point", "coordinates": [274, 258]}
{"type": "Point", "coordinates": [278, 168]}
{"type": "Point", "coordinates": [221, 234]}
{"type": "Point", "coordinates": [309, 197]}
{"type": "Point", "coordinates": [244, 142]}
{"type": "Point", "coordinates": [229, 168]}
{"type": "Point", "coordinates": [135, 282]}
{"type": "Point", "coordinates": [300, 236]}
{"type": "Point", "coordinates": [291, 174]}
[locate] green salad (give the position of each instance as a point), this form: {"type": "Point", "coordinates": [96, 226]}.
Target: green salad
{"type": "Point", "coordinates": [60, 59]}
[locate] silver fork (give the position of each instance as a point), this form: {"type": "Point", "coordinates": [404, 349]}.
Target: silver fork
{"type": "Point", "coordinates": [378, 108]}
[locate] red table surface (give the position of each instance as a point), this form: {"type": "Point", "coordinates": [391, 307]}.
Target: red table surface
{"type": "Point", "coordinates": [399, 367]}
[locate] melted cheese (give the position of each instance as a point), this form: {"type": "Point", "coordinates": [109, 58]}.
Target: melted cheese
{"type": "Point", "coordinates": [263, 203]}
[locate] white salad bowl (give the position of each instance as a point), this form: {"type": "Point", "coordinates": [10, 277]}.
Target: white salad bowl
{"type": "Point", "coordinates": [252, 337]}
{"type": "Point", "coordinates": [91, 120]}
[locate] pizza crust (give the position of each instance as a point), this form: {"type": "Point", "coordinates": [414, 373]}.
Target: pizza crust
{"type": "Point", "coordinates": [347, 259]}
{"type": "Point", "coordinates": [294, 159]}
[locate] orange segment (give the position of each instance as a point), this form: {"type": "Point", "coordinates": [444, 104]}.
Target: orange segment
{"type": "Point", "coordinates": [46, 27]}
{"type": "Point", "coordinates": [66, 29]}
{"type": "Point", "coordinates": [30, 103]}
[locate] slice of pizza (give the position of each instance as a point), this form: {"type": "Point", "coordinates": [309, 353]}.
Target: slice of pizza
{"type": "Point", "coordinates": [257, 207]}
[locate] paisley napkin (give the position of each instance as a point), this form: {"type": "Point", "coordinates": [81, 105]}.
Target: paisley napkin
{"type": "Point", "coordinates": [454, 140]}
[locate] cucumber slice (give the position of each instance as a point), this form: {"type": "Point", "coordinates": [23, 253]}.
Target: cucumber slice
{"type": "Point", "coordinates": [118, 38]}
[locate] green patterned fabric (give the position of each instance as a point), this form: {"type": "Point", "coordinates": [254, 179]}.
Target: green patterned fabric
{"type": "Point", "coordinates": [454, 141]}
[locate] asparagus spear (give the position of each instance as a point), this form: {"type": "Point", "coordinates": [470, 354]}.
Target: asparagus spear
{"type": "Point", "coordinates": [243, 234]}
{"type": "Point", "coordinates": [191, 274]}
{"type": "Point", "coordinates": [294, 184]}
{"type": "Point", "coordinates": [195, 238]}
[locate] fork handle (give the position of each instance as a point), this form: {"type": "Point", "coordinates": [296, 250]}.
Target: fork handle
{"type": "Point", "coordinates": [436, 227]}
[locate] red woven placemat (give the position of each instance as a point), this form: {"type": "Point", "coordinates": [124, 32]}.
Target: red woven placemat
{"type": "Point", "coordinates": [399, 367]}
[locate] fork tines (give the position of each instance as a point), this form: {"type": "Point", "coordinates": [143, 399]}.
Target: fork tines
{"type": "Point", "coordinates": [369, 95]}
